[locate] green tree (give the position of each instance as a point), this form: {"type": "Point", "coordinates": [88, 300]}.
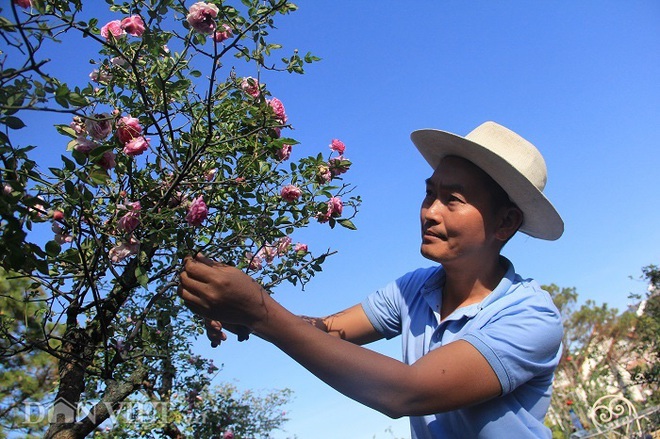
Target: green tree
{"type": "Point", "coordinates": [167, 150]}
{"type": "Point", "coordinates": [647, 328]}
{"type": "Point", "coordinates": [27, 374]}
{"type": "Point", "coordinates": [604, 352]}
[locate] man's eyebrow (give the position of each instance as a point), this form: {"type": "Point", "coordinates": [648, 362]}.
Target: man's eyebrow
{"type": "Point", "coordinates": [447, 187]}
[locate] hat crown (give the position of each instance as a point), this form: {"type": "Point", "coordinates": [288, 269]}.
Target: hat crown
{"type": "Point", "coordinates": [514, 149]}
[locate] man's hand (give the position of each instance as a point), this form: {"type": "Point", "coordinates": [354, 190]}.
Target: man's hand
{"type": "Point", "coordinates": [224, 296]}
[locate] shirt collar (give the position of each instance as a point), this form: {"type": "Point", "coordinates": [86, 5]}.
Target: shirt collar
{"type": "Point", "coordinates": [432, 292]}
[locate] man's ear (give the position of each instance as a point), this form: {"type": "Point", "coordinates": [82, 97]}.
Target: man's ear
{"type": "Point", "coordinates": [510, 220]}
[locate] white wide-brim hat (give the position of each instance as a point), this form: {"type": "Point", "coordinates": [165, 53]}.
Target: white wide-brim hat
{"type": "Point", "coordinates": [513, 162]}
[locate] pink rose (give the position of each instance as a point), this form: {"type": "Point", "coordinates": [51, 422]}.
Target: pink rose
{"type": "Point", "coordinates": [268, 253]}
{"type": "Point", "coordinates": [338, 165]}
{"type": "Point", "coordinates": [300, 248]}
{"type": "Point", "coordinates": [323, 174]}
{"type": "Point", "coordinates": [134, 25]}
{"type": "Point", "coordinates": [107, 160]}
{"type": "Point", "coordinates": [210, 174]}
{"type": "Point", "coordinates": [136, 146]}
{"type": "Point", "coordinates": [290, 193]}
{"type": "Point", "coordinates": [283, 245]}
{"type": "Point", "coordinates": [335, 206]}
{"type": "Point", "coordinates": [197, 212]}
{"type": "Point", "coordinates": [61, 237]}
{"type": "Point", "coordinates": [250, 86]}
{"type": "Point", "coordinates": [101, 75]}
{"type": "Point", "coordinates": [118, 61]}
{"type": "Point", "coordinates": [228, 435]}
{"type": "Point", "coordinates": [219, 37]}
{"type": "Point", "coordinates": [201, 17]}
{"type": "Point", "coordinates": [99, 126]}
{"type": "Point", "coordinates": [113, 28]}
{"type": "Point", "coordinates": [23, 3]}
{"type": "Point", "coordinates": [130, 220]}
{"type": "Point", "coordinates": [77, 125]}
{"type": "Point", "coordinates": [284, 152]}
{"type": "Point", "coordinates": [84, 145]}
{"type": "Point", "coordinates": [254, 261]}
{"type": "Point", "coordinates": [278, 109]}
{"type": "Point", "coordinates": [121, 251]}
{"type": "Point", "coordinates": [337, 146]}
{"type": "Point", "coordinates": [128, 128]}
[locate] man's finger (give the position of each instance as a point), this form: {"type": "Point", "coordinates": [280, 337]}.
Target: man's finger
{"type": "Point", "coordinates": [200, 257]}
{"type": "Point", "coordinates": [192, 301]}
{"type": "Point", "coordinates": [193, 281]}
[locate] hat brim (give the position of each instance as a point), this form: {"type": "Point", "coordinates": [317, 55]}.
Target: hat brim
{"type": "Point", "coordinates": [540, 218]}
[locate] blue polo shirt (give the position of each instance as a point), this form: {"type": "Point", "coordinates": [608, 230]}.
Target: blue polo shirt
{"type": "Point", "coordinates": [517, 328]}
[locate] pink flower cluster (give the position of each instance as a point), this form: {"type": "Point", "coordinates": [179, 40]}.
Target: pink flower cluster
{"type": "Point", "coordinates": [133, 25]}
{"type": "Point", "coordinates": [198, 211]}
{"type": "Point", "coordinates": [335, 165]}
{"type": "Point", "coordinates": [338, 165]}
{"type": "Point", "coordinates": [130, 220]}
{"type": "Point", "coordinates": [278, 109]}
{"type": "Point", "coordinates": [98, 128]}
{"type": "Point", "coordinates": [23, 3]}
{"type": "Point", "coordinates": [61, 235]}
{"type": "Point", "coordinates": [123, 250]}
{"type": "Point", "coordinates": [226, 34]}
{"type": "Point", "coordinates": [337, 146]}
{"type": "Point", "coordinates": [269, 252]}
{"type": "Point", "coordinates": [291, 193]}
{"type": "Point", "coordinates": [284, 152]}
{"type": "Point", "coordinates": [129, 132]}
{"type": "Point", "coordinates": [251, 86]}
{"type": "Point", "coordinates": [201, 17]}
{"type": "Point", "coordinates": [334, 209]}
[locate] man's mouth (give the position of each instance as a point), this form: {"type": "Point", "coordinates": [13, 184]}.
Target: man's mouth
{"type": "Point", "coordinates": [434, 235]}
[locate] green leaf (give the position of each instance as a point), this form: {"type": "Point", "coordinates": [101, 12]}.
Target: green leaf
{"type": "Point", "coordinates": [42, 266]}
{"type": "Point", "coordinates": [66, 130]}
{"type": "Point", "coordinates": [141, 276]}
{"type": "Point", "coordinates": [53, 248]}
{"type": "Point", "coordinates": [57, 172]}
{"type": "Point", "coordinates": [68, 164]}
{"type": "Point", "coordinates": [13, 122]}
{"type": "Point", "coordinates": [99, 176]}
{"type": "Point", "coordinates": [347, 223]}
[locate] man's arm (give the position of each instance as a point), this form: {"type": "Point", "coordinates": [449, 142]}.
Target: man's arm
{"type": "Point", "coordinates": [450, 377]}
{"type": "Point", "coordinates": [351, 325]}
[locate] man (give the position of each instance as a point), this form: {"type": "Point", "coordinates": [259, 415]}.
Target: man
{"type": "Point", "coordinates": [480, 343]}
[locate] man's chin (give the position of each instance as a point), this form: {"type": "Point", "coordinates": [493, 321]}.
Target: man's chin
{"type": "Point", "coordinates": [428, 254]}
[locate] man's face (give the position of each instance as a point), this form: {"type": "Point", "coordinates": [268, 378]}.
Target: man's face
{"type": "Point", "coordinates": [457, 218]}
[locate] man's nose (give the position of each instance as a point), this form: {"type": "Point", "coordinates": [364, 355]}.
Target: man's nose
{"type": "Point", "coordinates": [434, 211]}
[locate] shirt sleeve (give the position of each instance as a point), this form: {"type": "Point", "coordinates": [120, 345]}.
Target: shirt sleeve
{"type": "Point", "coordinates": [522, 340]}
{"type": "Point", "coordinates": [382, 308]}
{"type": "Point", "coordinates": [386, 307]}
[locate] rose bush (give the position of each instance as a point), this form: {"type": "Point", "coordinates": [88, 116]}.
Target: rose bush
{"type": "Point", "coordinates": [165, 151]}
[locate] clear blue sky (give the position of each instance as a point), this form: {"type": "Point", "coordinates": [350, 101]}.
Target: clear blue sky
{"type": "Point", "coordinates": [578, 79]}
